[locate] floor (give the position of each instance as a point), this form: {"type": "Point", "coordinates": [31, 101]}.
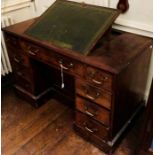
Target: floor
{"type": "Point", "coordinates": [48, 130]}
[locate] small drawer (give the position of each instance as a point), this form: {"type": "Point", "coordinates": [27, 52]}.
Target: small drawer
{"type": "Point", "coordinates": [93, 94]}
{"type": "Point", "coordinates": [22, 72]}
{"type": "Point", "coordinates": [24, 84]}
{"type": "Point", "coordinates": [98, 78]}
{"type": "Point", "coordinates": [39, 53]}
{"type": "Point", "coordinates": [91, 126]}
{"type": "Point", "coordinates": [69, 65]}
{"type": "Point", "coordinates": [12, 42]}
{"type": "Point", "coordinates": [93, 110]}
{"type": "Point", "coordinates": [20, 59]}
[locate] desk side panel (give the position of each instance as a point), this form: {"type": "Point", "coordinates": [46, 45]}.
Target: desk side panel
{"type": "Point", "coordinates": [130, 87]}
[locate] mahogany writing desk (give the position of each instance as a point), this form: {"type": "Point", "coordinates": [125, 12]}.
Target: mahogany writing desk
{"type": "Point", "coordinates": [107, 86]}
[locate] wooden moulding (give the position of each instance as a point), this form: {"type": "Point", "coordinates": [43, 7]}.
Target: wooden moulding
{"type": "Point", "coordinates": [35, 101]}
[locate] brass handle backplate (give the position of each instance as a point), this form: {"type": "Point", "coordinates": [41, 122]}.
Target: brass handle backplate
{"type": "Point", "coordinates": [70, 65]}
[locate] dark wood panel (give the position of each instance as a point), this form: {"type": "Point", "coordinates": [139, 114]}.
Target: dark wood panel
{"type": "Point", "coordinates": [130, 86]}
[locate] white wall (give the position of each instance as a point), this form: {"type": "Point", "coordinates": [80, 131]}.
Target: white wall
{"type": "Point", "coordinates": [139, 17]}
{"type": "Point", "coordinates": [18, 10]}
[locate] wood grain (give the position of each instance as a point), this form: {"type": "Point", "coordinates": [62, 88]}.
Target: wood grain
{"type": "Point", "coordinates": [28, 127]}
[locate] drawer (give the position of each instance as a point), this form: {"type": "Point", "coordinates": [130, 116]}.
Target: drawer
{"type": "Point", "coordinates": [69, 65]}
{"type": "Point", "coordinates": [22, 71]}
{"type": "Point", "coordinates": [94, 94]}
{"type": "Point", "coordinates": [12, 42]}
{"type": "Point", "coordinates": [98, 78]}
{"type": "Point", "coordinates": [91, 126]}
{"type": "Point", "coordinates": [21, 59]}
{"type": "Point", "coordinates": [37, 52]}
{"type": "Point", "coordinates": [49, 56]}
{"type": "Point", "coordinates": [93, 110]}
{"type": "Point", "coordinates": [28, 86]}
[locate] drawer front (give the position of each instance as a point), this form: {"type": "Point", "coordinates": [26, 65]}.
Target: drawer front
{"type": "Point", "coordinates": [12, 42]}
{"type": "Point", "coordinates": [69, 65]}
{"type": "Point", "coordinates": [22, 71]}
{"type": "Point", "coordinates": [98, 78]}
{"type": "Point", "coordinates": [38, 52]}
{"type": "Point", "coordinates": [20, 59]}
{"type": "Point", "coordinates": [48, 56]}
{"type": "Point", "coordinates": [91, 126]}
{"type": "Point", "coordinates": [93, 110]}
{"type": "Point", "coordinates": [93, 94]}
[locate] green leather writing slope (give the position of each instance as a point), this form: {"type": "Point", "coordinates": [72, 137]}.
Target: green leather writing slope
{"type": "Point", "coordinates": [71, 25]}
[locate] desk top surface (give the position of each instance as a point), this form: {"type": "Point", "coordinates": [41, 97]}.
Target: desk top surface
{"type": "Point", "coordinates": [71, 25]}
{"type": "Point", "coordinates": [112, 56]}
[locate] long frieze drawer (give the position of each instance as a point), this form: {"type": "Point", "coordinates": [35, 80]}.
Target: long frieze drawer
{"type": "Point", "coordinates": [49, 56]}
{"type": "Point", "coordinates": [91, 126]}
{"type": "Point", "coordinates": [93, 110]}
{"type": "Point", "coordinates": [93, 94]}
{"type": "Point", "coordinates": [98, 78]}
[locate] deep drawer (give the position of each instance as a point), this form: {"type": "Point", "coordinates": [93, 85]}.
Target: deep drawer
{"type": "Point", "coordinates": [93, 94]}
{"type": "Point", "coordinates": [91, 126]}
{"type": "Point", "coordinates": [93, 110]}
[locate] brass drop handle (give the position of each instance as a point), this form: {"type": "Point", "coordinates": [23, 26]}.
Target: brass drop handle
{"type": "Point", "coordinates": [64, 67]}
{"type": "Point", "coordinates": [88, 129]}
{"type": "Point", "coordinates": [89, 113]}
{"type": "Point", "coordinates": [97, 82]}
{"type": "Point", "coordinates": [17, 60]}
{"type": "Point", "coordinates": [33, 52]}
{"type": "Point", "coordinates": [92, 97]}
